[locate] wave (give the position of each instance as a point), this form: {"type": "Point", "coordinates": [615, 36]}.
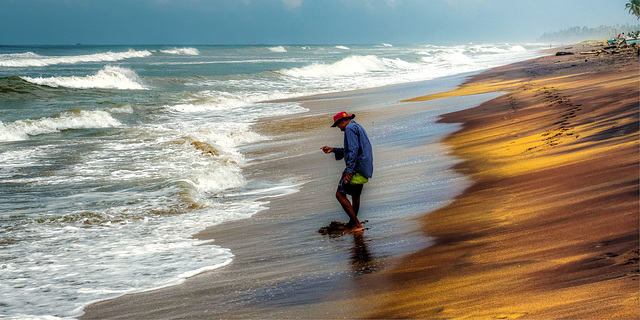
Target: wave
{"type": "Point", "coordinates": [467, 55]}
{"type": "Point", "coordinates": [348, 66]}
{"type": "Point", "coordinates": [15, 87]}
{"type": "Point", "coordinates": [342, 48]}
{"type": "Point", "coordinates": [24, 55]}
{"type": "Point", "coordinates": [76, 119]}
{"type": "Point", "coordinates": [517, 48]}
{"type": "Point", "coordinates": [450, 59]}
{"type": "Point", "coordinates": [30, 59]}
{"type": "Point", "coordinates": [182, 51]}
{"type": "Point", "coordinates": [109, 77]}
{"type": "Point", "coordinates": [277, 49]}
{"type": "Point", "coordinates": [493, 49]}
{"type": "Point", "coordinates": [210, 104]}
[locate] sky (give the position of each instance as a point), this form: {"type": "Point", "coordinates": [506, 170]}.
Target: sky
{"type": "Point", "coordinates": [297, 21]}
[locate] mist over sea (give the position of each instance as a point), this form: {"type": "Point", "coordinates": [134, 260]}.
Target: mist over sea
{"type": "Point", "coordinates": [112, 157]}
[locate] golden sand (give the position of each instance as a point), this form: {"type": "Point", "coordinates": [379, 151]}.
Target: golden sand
{"type": "Point", "coordinates": [550, 227]}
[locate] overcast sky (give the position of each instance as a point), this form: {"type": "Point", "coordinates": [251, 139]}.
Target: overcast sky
{"type": "Point", "coordinates": [297, 21]}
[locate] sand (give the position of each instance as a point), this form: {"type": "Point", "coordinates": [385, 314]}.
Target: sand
{"type": "Point", "coordinates": [547, 225]}
{"type": "Point", "coordinates": [549, 228]}
{"type": "Point", "coordinates": [284, 268]}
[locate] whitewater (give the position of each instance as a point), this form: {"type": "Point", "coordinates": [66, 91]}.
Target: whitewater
{"type": "Point", "coordinates": [112, 157]}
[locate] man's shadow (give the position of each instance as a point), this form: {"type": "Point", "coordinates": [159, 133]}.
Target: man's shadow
{"type": "Point", "coordinates": [362, 262]}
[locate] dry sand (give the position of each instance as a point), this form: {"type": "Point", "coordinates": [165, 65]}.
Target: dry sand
{"type": "Point", "coordinates": [547, 229]}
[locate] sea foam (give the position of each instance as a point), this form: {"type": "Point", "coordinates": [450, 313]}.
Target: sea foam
{"type": "Point", "coordinates": [277, 49]}
{"type": "Point", "coordinates": [80, 119]}
{"type": "Point", "coordinates": [452, 59]}
{"type": "Point", "coordinates": [30, 59]}
{"type": "Point", "coordinates": [352, 65]}
{"type": "Point", "coordinates": [182, 51]}
{"type": "Point", "coordinates": [109, 77]}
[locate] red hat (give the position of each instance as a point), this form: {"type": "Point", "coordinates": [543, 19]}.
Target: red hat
{"type": "Point", "coordinates": [341, 115]}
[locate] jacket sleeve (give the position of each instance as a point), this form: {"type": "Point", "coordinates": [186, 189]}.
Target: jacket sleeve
{"type": "Point", "coordinates": [338, 153]}
{"type": "Point", "coordinates": [352, 147]}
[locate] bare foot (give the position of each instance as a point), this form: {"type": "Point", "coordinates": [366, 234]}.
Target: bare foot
{"type": "Point", "coordinates": [353, 229]}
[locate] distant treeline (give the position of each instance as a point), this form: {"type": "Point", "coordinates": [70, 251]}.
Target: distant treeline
{"type": "Point", "coordinates": [577, 34]}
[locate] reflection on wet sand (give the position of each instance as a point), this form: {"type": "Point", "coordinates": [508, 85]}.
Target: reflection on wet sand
{"type": "Point", "coordinates": [362, 262]}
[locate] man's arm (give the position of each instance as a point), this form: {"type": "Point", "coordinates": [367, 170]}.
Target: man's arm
{"type": "Point", "coordinates": [327, 149]}
{"type": "Point", "coordinates": [338, 152]}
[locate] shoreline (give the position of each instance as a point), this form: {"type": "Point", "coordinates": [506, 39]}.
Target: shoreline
{"type": "Point", "coordinates": [282, 267]}
{"type": "Point", "coordinates": [395, 284]}
{"type": "Point", "coordinates": [549, 229]}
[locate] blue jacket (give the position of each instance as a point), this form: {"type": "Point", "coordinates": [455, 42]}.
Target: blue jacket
{"type": "Point", "coordinates": [357, 152]}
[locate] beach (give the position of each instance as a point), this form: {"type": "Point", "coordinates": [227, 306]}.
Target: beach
{"type": "Point", "coordinates": [549, 228]}
{"type": "Point", "coordinates": [166, 159]}
{"type": "Point", "coordinates": [284, 268]}
{"type": "Point", "coordinates": [545, 224]}
{"type": "Point", "coordinates": [146, 172]}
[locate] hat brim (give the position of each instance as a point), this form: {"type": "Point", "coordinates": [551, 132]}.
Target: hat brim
{"type": "Point", "coordinates": [337, 121]}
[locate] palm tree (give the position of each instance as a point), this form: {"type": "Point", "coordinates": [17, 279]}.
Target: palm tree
{"type": "Point", "coordinates": [634, 7]}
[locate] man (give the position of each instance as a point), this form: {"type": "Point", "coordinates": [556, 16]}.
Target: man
{"type": "Point", "coordinates": [358, 158]}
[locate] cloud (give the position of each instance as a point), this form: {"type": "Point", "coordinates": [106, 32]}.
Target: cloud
{"type": "Point", "coordinates": [292, 4]}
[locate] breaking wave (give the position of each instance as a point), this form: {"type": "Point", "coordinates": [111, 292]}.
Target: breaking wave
{"type": "Point", "coordinates": [348, 66]}
{"type": "Point", "coordinates": [109, 77]}
{"type": "Point", "coordinates": [182, 51]}
{"type": "Point", "coordinates": [30, 59]}
{"type": "Point", "coordinates": [277, 49]}
{"type": "Point", "coordinates": [77, 119]}
{"type": "Point", "coordinates": [15, 87]}
{"type": "Point", "coordinates": [449, 59]}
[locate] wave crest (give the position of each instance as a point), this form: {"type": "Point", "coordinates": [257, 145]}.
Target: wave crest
{"type": "Point", "coordinates": [277, 49]}
{"type": "Point", "coordinates": [348, 66]}
{"type": "Point", "coordinates": [109, 77]}
{"type": "Point", "coordinates": [77, 119]}
{"type": "Point", "coordinates": [30, 59]}
{"type": "Point", "coordinates": [450, 59]}
{"type": "Point", "coordinates": [182, 51]}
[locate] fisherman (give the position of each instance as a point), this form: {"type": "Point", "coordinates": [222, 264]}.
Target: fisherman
{"type": "Point", "coordinates": [358, 157]}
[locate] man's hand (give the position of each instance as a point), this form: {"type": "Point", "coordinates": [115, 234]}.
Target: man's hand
{"type": "Point", "coordinates": [348, 177]}
{"type": "Point", "coordinates": [327, 149]}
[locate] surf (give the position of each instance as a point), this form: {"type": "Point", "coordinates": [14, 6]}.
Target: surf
{"type": "Point", "coordinates": [182, 51]}
{"type": "Point", "coordinates": [352, 65]}
{"type": "Point", "coordinates": [110, 77]}
{"type": "Point", "coordinates": [30, 59]}
{"type": "Point", "coordinates": [76, 119]}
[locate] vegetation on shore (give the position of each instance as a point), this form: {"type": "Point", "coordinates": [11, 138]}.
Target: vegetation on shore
{"type": "Point", "coordinates": [634, 8]}
{"type": "Point", "coordinates": [578, 34]}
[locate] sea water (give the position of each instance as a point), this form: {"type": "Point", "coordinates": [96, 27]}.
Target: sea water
{"type": "Point", "coordinates": [112, 157]}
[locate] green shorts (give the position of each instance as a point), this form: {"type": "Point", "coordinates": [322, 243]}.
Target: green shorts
{"type": "Point", "coordinates": [353, 187]}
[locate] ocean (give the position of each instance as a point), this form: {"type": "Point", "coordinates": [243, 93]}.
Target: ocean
{"type": "Point", "coordinates": [112, 157]}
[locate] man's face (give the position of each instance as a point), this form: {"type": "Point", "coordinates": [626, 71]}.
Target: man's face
{"type": "Point", "coordinates": [343, 124]}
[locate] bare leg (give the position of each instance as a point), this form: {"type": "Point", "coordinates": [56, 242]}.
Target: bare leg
{"type": "Point", "coordinates": [354, 224]}
{"type": "Point", "coordinates": [355, 203]}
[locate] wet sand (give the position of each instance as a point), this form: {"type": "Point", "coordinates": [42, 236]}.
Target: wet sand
{"type": "Point", "coordinates": [284, 268]}
{"type": "Point", "coordinates": [547, 225]}
{"type": "Point", "coordinates": [549, 228]}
